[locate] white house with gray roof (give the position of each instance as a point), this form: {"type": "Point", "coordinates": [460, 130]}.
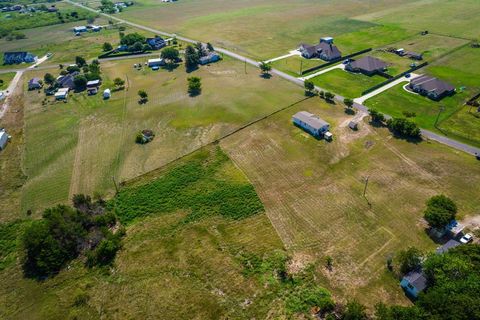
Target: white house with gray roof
{"type": "Point", "coordinates": [311, 123]}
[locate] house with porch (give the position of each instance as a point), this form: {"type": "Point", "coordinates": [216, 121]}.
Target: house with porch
{"type": "Point", "coordinates": [431, 87]}
{"type": "Point", "coordinates": [325, 50]}
{"type": "Point", "coordinates": [367, 65]}
{"type": "Point", "coordinates": [311, 123]}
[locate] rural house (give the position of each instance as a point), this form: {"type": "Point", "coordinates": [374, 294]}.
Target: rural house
{"type": "Point", "coordinates": [325, 50]}
{"type": "Point", "coordinates": [18, 57]}
{"type": "Point", "coordinates": [311, 123]}
{"type": "Point", "coordinates": [156, 43]}
{"type": "Point", "coordinates": [367, 65]}
{"type": "Point", "coordinates": [34, 84]}
{"type": "Point", "coordinates": [3, 139]}
{"type": "Point", "coordinates": [447, 246]}
{"type": "Point", "coordinates": [209, 58]}
{"type": "Point", "coordinates": [156, 62]}
{"type": "Point", "coordinates": [80, 29]}
{"type": "Point", "coordinates": [431, 87]}
{"type": "Point", "coordinates": [413, 283]}
{"type": "Point", "coordinates": [67, 80]}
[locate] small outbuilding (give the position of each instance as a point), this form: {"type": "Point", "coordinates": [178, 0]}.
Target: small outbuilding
{"type": "Point", "coordinates": [311, 123]}
{"type": "Point", "coordinates": [80, 29]}
{"type": "Point", "coordinates": [156, 62]}
{"type": "Point", "coordinates": [3, 139]}
{"type": "Point", "coordinates": [34, 84]}
{"type": "Point", "coordinates": [413, 283]}
{"type": "Point", "coordinates": [450, 244]}
{"type": "Point", "coordinates": [107, 94]}
{"type": "Point", "coordinates": [353, 125]}
{"type": "Point", "coordinates": [93, 83]}
{"type": "Point", "coordinates": [61, 94]}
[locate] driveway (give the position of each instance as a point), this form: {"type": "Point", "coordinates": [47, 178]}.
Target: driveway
{"type": "Point", "coordinates": [362, 99]}
{"type": "Point", "coordinates": [337, 66]}
{"type": "Point", "coordinates": [291, 54]}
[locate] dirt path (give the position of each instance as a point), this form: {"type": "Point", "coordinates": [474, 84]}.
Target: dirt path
{"type": "Point", "coordinates": [9, 93]}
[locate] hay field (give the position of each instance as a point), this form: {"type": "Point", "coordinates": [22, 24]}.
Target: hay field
{"type": "Point", "coordinates": [80, 145]}
{"type": "Point", "coordinates": [259, 29]}
{"type": "Point", "coordinates": [312, 192]}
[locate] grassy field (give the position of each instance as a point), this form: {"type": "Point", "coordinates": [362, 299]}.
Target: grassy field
{"type": "Point", "coordinates": [167, 268]}
{"type": "Point", "coordinates": [431, 15]}
{"type": "Point", "coordinates": [345, 83]}
{"type": "Point", "coordinates": [455, 121]}
{"type": "Point", "coordinates": [5, 79]}
{"type": "Point", "coordinates": [260, 29]}
{"type": "Point", "coordinates": [312, 192]}
{"type": "Point", "coordinates": [94, 139]}
{"type": "Point", "coordinates": [293, 65]}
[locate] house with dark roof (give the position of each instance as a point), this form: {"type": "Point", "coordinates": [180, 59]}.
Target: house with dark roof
{"type": "Point", "coordinates": [325, 50]}
{"type": "Point", "coordinates": [367, 65]}
{"type": "Point", "coordinates": [156, 43]}
{"type": "Point", "coordinates": [18, 57]}
{"type": "Point", "coordinates": [431, 87]}
{"type": "Point", "coordinates": [413, 283]}
{"type": "Point", "coordinates": [311, 123]}
{"type": "Point", "coordinates": [67, 80]}
{"type": "Point", "coordinates": [209, 58]}
{"type": "Point", "coordinates": [450, 244]}
{"type": "Point", "coordinates": [34, 84]}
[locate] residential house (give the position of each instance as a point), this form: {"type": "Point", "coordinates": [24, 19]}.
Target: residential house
{"type": "Point", "coordinates": [367, 65]}
{"type": "Point", "coordinates": [156, 62]}
{"type": "Point", "coordinates": [18, 57]}
{"type": "Point", "coordinates": [311, 123]}
{"type": "Point", "coordinates": [95, 28]}
{"type": "Point", "coordinates": [325, 50]}
{"type": "Point", "coordinates": [3, 139]}
{"type": "Point", "coordinates": [413, 283]}
{"type": "Point", "coordinates": [61, 94]}
{"type": "Point", "coordinates": [80, 29]}
{"type": "Point", "coordinates": [67, 80]}
{"type": "Point", "coordinates": [209, 58]}
{"type": "Point", "coordinates": [431, 87]}
{"type": "Point", "coordinates": [447, 246]}
{"type": "Point", "coordinates": [34, 84]}
{"type": "Point", "coordinates": [156, 43]}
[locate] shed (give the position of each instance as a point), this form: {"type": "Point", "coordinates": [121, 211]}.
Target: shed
{"type": "Point", "coordinates": [353, 125]}
{"type": "Point", "coordinates": [156, 62]}
{"type": "Point", "coordinates": [93, 83]}
{"type": "Point", "coordinates": [61, 94]}
{"type": "Point", "coordinates": [80, 29]}
{"type": "Point", "coordinates": [34, 83]}
{"type": "Point", "coordinates": [311, 123]}
{"type": "Point", "coordinates": [413, 283]}
{"type": "Point", "coordinates": [107, 94]}
{"type": "Point", "coordinates": [447, 246]}
{"type": "Point", "coordinates": [3, 139]}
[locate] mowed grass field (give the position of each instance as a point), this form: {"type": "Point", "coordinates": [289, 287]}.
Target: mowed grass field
{"type": "Point", "coordinates": [5, 79]}
{"type": "Point", "coordinates": [455, 121]}
{"type": "Point", "coordinates": [80, 145]}
{"type": "Point", "coordinates": [452, 18]}
{"type": "Point", "coordinates": [262, 29]}
{"type": "Point", "coordinates": [347, 84]}
{"type": "Point", "coordinates": [167, 269]}
{"type": "Point", "coordinates": [312, 192]}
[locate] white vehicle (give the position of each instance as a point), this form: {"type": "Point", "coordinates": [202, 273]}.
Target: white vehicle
{"type": "Point", "coordinates": [466, 238]}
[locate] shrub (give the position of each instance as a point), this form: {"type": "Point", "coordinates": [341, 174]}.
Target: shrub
{"type": "Point", "coordinates": [440, 211]}
{"type": "Point", "coordinates": [194, 86]}
{"type": "Point", "coordinates": [376, 116]}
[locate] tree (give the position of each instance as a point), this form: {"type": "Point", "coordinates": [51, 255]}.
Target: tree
{"type": "Point", "coordinates": [107, 46]}
{"type": "Point", "coordinates": [80, 82]}
{"type": "Point", "coordinates": [329, 96]}
{"type": "Point", "coordinates": [383, 312]}
{"type": "Point", "coordinates": [409, 259]}
{"type": "Point", "coordinates": [354, 311]}
{"type": "Point", "coordinates": [329, 262]}
{"type": "Point", "coordinates": [143, 96]}
{"type": "Point", "coordinates": [265, 68]}
{"type": "Point", "coordinates": [49, 79]}
{"type": "Point", "coordinates": [170, 54]}
{"type": "Point", "coordinates": [118, 82]}
{"type": "Point", "coordinates": [348, 103]}
{"type": "Point", "coordinates": [200, 49]}
{"type": "Point", "coordinates": [210, 47]}
{"type": "Point", "coordinates": [72, 69]}
{"type": "Point", "coordinates": [309, 87]}
{"type": "Point", "coordinates": [191, 58]}
{"type": "Point", "coordinates": [136, 47]}
{"type": "Point", "coordinates": [80, 61]}
{"type": "Point", "coordinates": [131, 38]}
{"type": "Point", "coordinates": [377, 117]}
{"type": "Point", "coordinates": [440, 211]}
{"type": "Point", "coordinates": [404, 127]}
{"type": "Point", "coordinates": [194, 86]}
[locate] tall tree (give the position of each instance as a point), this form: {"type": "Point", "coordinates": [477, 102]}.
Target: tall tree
{"type": "Point", "coordinates": [191, 58]}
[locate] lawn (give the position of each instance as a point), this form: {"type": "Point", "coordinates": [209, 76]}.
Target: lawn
{"type": "Point", "coordinates": [347, 84]}
{"type": "Point", "coordinates": [431, 16]}
{"type": "Point", "coordinates": [312, 193]}
{"type": "Point", "coordinates": [293, 65]}
{"type": "Point", "coordinates": [5, 79]}
{"type": "Point", "coordinates": [259, 29]}
{"type": "Point", "coordinates": [94, 139]}
{"type": "Point", "coordinates": [167, 268]}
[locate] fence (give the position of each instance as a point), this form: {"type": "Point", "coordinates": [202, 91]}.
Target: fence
{"type": "Point", "coordinates": [335, 61]}
{"type": "Point", "coordinates": [398, 76]}
{"type": "Point", "coordinates": [112, 55]}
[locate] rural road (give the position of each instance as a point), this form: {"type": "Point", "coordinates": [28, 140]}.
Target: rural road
{"type": "Point", "coordinates": [426, 133]}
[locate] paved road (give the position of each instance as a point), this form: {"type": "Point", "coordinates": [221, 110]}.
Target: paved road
{"type": "Point", "coordinates": [431, 135]}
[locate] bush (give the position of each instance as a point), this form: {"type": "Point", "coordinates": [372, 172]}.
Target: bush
{"type": "Point", "coordinates": [194, 86]}
{"type": "Point", "coordinates": [440, 211]}
{"type": "Point", "coordinates": [309, 87]}
{"type": "Point", "coordinates": [105, 252]}
{"type": "Point", "coordinates": [303, 298]}
{"type": "Point", "coordinates": [376, 116]}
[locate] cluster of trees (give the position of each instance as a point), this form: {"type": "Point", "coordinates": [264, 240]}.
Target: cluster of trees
{"type": "Point", "coordinates": [404, 127]}
{"type": "Point", "coordinates": [65, 232]}
{"type": "Point", "coordinates": [135, 42]}
{"type": "Point", "coordinates": [143, 96]}
{"type": "Point", "coordinates": [170, 55]}
{"type": "Point", "coordinates": [90, 72]}
{"type": "Point", "coordinates": [440, 211]}
{"type": "Point", "coordinates": [107, 6]}
{"type": "Point", "coordinates": [194, 86]}
{"type": "Point", "coordinates": [194, 53]}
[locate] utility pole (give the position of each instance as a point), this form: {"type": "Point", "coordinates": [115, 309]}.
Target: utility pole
{"type": "Point", "coordinates": [442, 108]}
{"type": "Point", "coordinates": [366, 184]}
{"type": "Point", "coordinates": [245, 66]}
{"type": "Point", "coordinates": [115, 183]}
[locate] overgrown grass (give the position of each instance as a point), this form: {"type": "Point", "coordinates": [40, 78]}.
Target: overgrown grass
{"type": "Point", "coordinates": [190, 186]}
{"type": "Point", "coordinates": [9, 233]}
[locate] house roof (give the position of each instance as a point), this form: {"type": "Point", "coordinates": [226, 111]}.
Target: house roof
{"type": "Point", "coordinates": [67, 80]}
{"type": "Point", "coordinates": [328, 49]}
{"type": "Point", "coordinates": [311, 119]}
{"type": "Point", "coordinates": [417, 279]}
{"type": "Point", "coordinates": [447, 246]}
{"type": "Point", "coordinates": [311, 50]}
{"type": "Point", "coordinates": [432, 84]}
{"type": "Point", "coordinates": [93, 83]}
{"type": "Point", "coordinates": [34, 81]}
{"type": "Point", "coordinates": [369, 64]}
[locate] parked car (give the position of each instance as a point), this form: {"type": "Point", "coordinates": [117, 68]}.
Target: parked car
{"type": "Point", "coordinates": [466, 238]}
